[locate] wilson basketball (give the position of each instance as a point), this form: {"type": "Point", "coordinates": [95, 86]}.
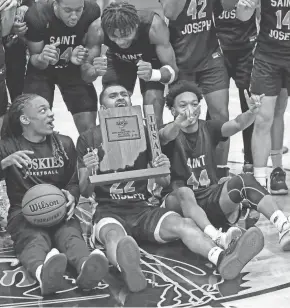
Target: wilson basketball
{"type": "Point", "coordinates": [44, 205]}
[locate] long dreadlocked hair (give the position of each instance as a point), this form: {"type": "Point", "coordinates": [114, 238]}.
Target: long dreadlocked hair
{"type": "Point", "coordinates": [14, 128]}
{"type": "Point", "coordinates": [122, 16]}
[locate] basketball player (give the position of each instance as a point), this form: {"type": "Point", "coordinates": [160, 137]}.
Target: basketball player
{"type": "Point", "coordinates": [270, 76]}
{"type": "Point", "coordinates": [190, 144]}
{"type": "Point", "coordinates": [237, 40]}
{"type": "Point", "coordinates": [56, 36]}
{"type": "Point", "coordinates": [198, 56]}
{"type": "Point", "coordinates": [138, 46]}
{"type": "Point", "coordinates": [123, 209]}
{"type": "Point", "coordinates": [34, 154]}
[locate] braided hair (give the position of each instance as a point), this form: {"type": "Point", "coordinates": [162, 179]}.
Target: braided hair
{"type": "Point", "coordinates": [122, 16]}
{"type": "Point", "coordinates": [14, 127]}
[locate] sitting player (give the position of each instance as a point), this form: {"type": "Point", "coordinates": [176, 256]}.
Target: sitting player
{"type": "Point", "coordinates": [190, 144]}
{"type": "Point", "coordinates": [123, 209]}
{"type": "Point", "coordinates": [138, 46]}
{"type": "Point", "coordinates": [56, 33]}
{"type": "Point", "coordinates": [34, 154]}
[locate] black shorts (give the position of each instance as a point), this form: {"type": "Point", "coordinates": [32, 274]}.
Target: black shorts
{"type": "Point", "coordinates": [239, 64]}
{"type": "Point", "coordinates": [269, 78]}
{"type": "Point", "coordinates": [77, 95]}
{"type": "Point", "coordinates": [209, 201]}
{"type": "Point", "coordinates": [125, 74]}
{"type": "Point", "coordinates": [140, 221]}
{"type": "Point", "coordinates": [210, 79]}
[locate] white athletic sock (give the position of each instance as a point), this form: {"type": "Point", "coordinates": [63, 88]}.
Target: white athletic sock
{"type": "Point", "coordinates": [38, 274]}
{"type": "Point", "coordinates": [278, 219]}
{"type": "Point", "coordinates": [214, 254]}
{"type": "Point", "coordinates": [261, 175]}
{"type": "Point", "coordinates": [276, 157]}
{"type": "Point", "coordinates": [212, 232]}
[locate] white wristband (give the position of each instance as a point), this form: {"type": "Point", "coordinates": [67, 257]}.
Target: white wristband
{"type": "Point", "coordinates": [172, 72]}
{"type": "Point", "coordinates": [155, 76]}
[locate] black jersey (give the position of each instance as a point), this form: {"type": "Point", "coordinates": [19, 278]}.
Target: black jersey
{"type": "Point", "coordinates": [130, 193]}
{"type": "Point", "coordinates": [193, 35]}
{"type": "Point", "coordinates": [192, 156]}
{"type": "Point", "coordinates": [141, 47]}
{"type": "Point", "coordinates": [45, 167]}
{"type": "Point", "coordinates": [44, 26]}
{"type": "Point", "coordinates": [233, 33]}
{"type": "Point", "coordinates": [274, 36]}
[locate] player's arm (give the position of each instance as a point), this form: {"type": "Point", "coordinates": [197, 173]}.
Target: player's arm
{"type": "Point", "coordinates": [159, 36]}
{"type": "Point", "coordinates": [169, 132]}
{"type": "Point", "coordinates": [246, 8]}
{"type": "Point", "coordinates": [172, 8]}
{"type": "Point", "coordinates": [94, 65]}
{"type": "Point", "coordinates": [245, 119]}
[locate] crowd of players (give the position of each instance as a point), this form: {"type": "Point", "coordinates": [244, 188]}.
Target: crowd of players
{"type": "Point", "coordinates": [194, 52]}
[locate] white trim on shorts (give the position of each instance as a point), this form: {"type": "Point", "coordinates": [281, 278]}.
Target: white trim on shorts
{"type": "Point", "coordinates": [98, 226]}
{"type": "Point", "coordinates": [158, 226]}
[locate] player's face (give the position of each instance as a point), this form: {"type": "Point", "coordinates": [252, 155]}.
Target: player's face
{"type": "Point", "coordinates": [116, 96]}
{"type": "Point", "coordinates": [186, 101]}
{"type": "Point", "coordinates": [123, 38]}
{"type": "Point", "coordinates": [38, 117]}
{"type": "Point", "coordinates": [69, 11]}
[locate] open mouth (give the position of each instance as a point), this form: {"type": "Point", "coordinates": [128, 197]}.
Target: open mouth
{"type": "Point", "coordinates": [50, 124]}
{"type": "Point", "coordinates": [121, 104]}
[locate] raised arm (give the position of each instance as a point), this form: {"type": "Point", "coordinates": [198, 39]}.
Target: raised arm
{"type": "Point", "coordinates": [95, 65]}
{"type": "Point", "coordinates": [159, 36]}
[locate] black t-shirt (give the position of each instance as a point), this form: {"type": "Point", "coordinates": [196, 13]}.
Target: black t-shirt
{"type": "Point", "coordinates": [117, 194]}
{"type": "Point", "coordinates": [141, 47]}
{"type": "Point", "coordinates": [192, 156]}
{"type": "Point", "coordinates": [45, 167]}
{"type": "Point", "coordinates": [193, 36]}
{"type": "Point", "coordinates": [274, 37]}
{"type": "Point", "coordinates": [233, 33]}
{"type": "Point", "coordinates": [44, 26]}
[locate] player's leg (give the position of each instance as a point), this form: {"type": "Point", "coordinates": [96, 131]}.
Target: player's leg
{"type": "Point", "coordinates": [182, 200]}
{"type": "Point", "coordinates": [266, 79]}
{"type": "Point", "coordinates": [278, 176]}
{"type": "Point", "coordinates": [153, 94]}
{"type": "Point", "coordinates": [92, 266]}
{"type": "Point", "coordinates": [229, 262]}
{"type": "Point", "coordinates": [214, 83]}
{"type": "Point", "coordinates": [244, 186]}
{"type": "Point", "coordinates": [243, 70]}
{"type": "Point", "coordinates": [33, 248]}
{"type": "Point", "coordinates": [122, 250]}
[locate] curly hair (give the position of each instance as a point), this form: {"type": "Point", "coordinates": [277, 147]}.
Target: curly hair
{"type": "Point", "coordinates": [181, 87]}
{"type": "Point", "coordinates": [122, 16]}
{"type": "Point", "coordinates": [14, 127]}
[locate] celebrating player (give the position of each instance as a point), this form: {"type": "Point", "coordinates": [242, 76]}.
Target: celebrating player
{"type": "Point", "coordinates": [139, 46]}
{"type": "Point", "coordinates": [198, 55]}
{"type": "Point", "coordinates": [58, 32]}
{"type": "Point", "coordinates": [190, 144]}
{"type": "Point", "coordinates": [271, 77]}
{"type": "Point", "coordinates": [123, 209]}
{"type": "Point", "coordinates": [34, 154]}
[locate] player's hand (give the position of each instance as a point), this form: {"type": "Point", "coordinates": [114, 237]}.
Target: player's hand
{"type": "Point", "coordinates": [161, 161]}
{"type": "Point", "coordinates": [50, 54]}
{"type": "Point", "coordinates": [19, 28]}
{"type": "Point", "coordinates": [91, 161]}
{"type": "Point", "coordinates": [7, 4]}
{"type": "Point", "coordinates": [71, 204]}
{"type": "Point", "coordinates": [19, 159]}
{"type": "Point", "coordinates": [188, 117]}
{"type": "Point", "coordinates": [144, 70]}
{"type": "Point", "coordinates": [248, 4]}
{"type": "Point", "coordinates": [254, 102]}
{"type": "Point", "coordinates": [100, 64]}
{"type": "Point", "coordinates": [20, 13]}
{"type": "Point", "coordinates": [79, 55]}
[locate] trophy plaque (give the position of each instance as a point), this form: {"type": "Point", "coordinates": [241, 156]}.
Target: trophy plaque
{"type": "Point", "coordinates": [124, 139]}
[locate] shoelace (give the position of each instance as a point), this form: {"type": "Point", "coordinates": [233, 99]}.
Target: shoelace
{"type": "Point", "coordinates": [231, 247]}
{"type": "Point", "coordinates": [279, 176]}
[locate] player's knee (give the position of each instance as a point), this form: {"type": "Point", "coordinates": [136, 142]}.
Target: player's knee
{"type": "Point", "coordinates": [109, 230]}
{"type": "Point", "coordinates": [153, 97]}
{"type": "Point", "coordinates": [184, 193]}
{"type": "Point", "coordinates": [185, 225]}
{"type": "Point", "coordinates": [264, 121]}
